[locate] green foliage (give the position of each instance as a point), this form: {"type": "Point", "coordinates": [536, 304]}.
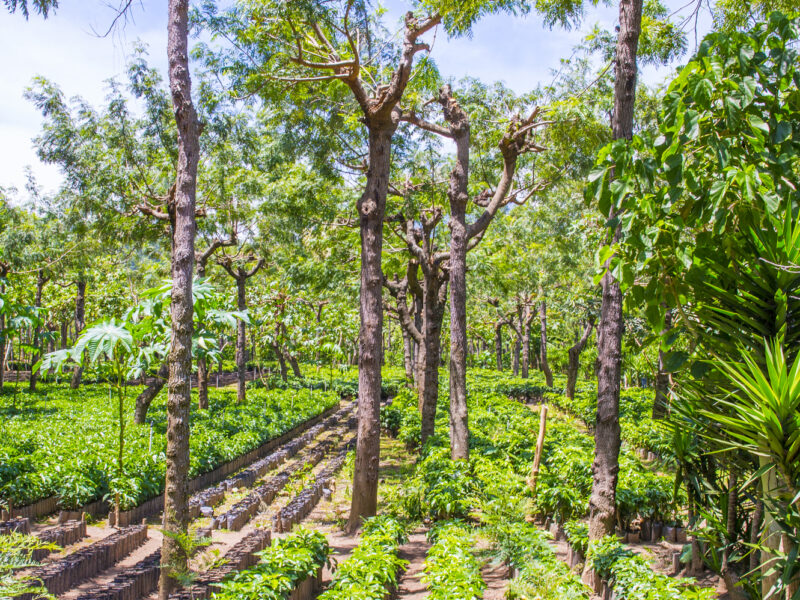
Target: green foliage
{"type": "Point", "coordinates": [58, 444]}
{"type": "Point", "coordinates": [631, 576]}
{"type": "Point", "coordinates": [373, 568]}
{"type": "Point", "coordinates": [452, 571]}
{"type": "Point", "coordinates": [16, 553]}
{"type": "Point", "coordinates": [283, 565]}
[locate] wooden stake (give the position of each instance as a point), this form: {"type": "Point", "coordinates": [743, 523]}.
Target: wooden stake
{"type": "Point", "coordinates": [539, 445]}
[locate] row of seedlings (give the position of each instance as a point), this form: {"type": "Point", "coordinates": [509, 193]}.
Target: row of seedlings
{"type": "Point", "coordinates": [244, 510]}
{"type": "Point", "coordinates": [143, 577]}
{"type": "Point", "coordinates": [202, 503]}
{"type": "Point", "coordinates": [66, 573]}
{"type": "Point", "coordinates": [304, 502]}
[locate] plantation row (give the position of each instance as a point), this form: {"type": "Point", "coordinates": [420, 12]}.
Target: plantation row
{"type": "Point", "coordinates": [64, 442]}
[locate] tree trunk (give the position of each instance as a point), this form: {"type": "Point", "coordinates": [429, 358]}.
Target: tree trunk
{"type": "Point", "coordinates": [726, 571]}
{"type": "Point", "coordinates": [241, 342]}
{"type": "Point", "coordinates": [432, 340]}
{"type": "Point", "coordinates": [457, 194]}
{"type": "Point", "coordinates": [498, 344]}
{"type": "Point", "coordinates": [408, 354]}
{"type": "Point", "coordinates": [605, 468]}
{"type": "Point", "coordinates": [371, 208]}
{"type": "Point", "coordinates": [574, 362]}
{"type": "Point", "coordinates": [281, 362]}
{"type": "Point", "coordinates": [80, 323]}
{"type": "Point", "coordinates": [661, 402]}
{"type": "Point", "coordinates": [3, 342]}
{"type": "Point", "coordinates": [202, 383]}
{"type": "Point", "coordinates": [41, 280]}
{"type": "Point", "coordinates": [755, 533]}
{"type": "Point", "coordinates": [545, 366]}
{"type": "Point", "coordinates": [148, 394]}
{"type": "Point", "coordinates": [526, 343]}
{"type": "Point", "coordinates": [516, 355]}
{"type": "Point", "coordinates": [176, 506]}
{"type": "Point", "coordinates": [294, 364]}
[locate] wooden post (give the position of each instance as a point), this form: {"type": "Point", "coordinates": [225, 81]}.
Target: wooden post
{"type": "Point", "coordinates": [539, 445]}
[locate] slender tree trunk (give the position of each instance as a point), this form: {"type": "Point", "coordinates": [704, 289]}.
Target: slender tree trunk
{"type": "Point", "coordinates": [498, 344]}
{"type": "Point", "coordinates": [148, 394]}
{"type": "Point", "coordinates": [574, 363]}
{"type": "Point", "coordinates": [408, 354]}
{"type": "Point", "coordinates": [202, 383]}
{"type": "Point", "coordinates": [80, 323]}
{"type": "Point", "coordinates": [755, 533]}
{"type": "Point", "coordinates": [516, 356]}
{"type": "Point", "coordinates": [41, 280]}
{"type": "Point", "coordinates": [432, 340]}
{"type": "Point", "coordinates": [662, 377]}
{"type": "Point", "coordinates": [371, 208]}
{"type": "Point", "coordinates": [241, 342]}
{"type": "Point", "coordinates": [281, 362]}
{"type": "Point", "coordinates": [605, 468]}
{"type": "Point", "coordinates": [176, 507]}
{"type": "Point", "coordinates": [545, 366]}
{"type": "Point", "coordinates": [294, 364]}
{"type": "Point", "coordinates": [729, 576]}
{"type": "Point", "coordinates": [526, 343]}
{"type": "Point", "coordinates": [3, 341]}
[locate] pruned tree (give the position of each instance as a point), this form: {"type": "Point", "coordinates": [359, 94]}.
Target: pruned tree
{"type": "Point", "coordinates": [237, 267]}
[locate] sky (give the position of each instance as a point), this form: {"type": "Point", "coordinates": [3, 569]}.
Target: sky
{"type": "Point", "coordinates": [69, 49]}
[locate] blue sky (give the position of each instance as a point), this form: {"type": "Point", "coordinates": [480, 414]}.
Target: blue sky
{"type": "Point", "coordinates": [66, 49]}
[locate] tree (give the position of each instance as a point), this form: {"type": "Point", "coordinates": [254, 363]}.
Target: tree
{"type": "Point", "coordinates": [236, 267]}
{"type": "Point", "coordinates": [176, 500]}
{"type": "Point", "coordinates": [726, 247]}
{"type": "Point", "coordinates": [605, 468]}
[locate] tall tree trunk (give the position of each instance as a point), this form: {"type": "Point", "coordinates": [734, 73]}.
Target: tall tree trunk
{"type": "Point", "coordinates": [517, 351]}
{"type": "Point", "coordinates": [241, 342]}
{"type": "Point", "coordinates": [605, 468]}
{"type": "Point", "coordinates": [3, 272]}
{"type": "Point", "coordinates": [202, 383]}
{"type": "Point", "coordinates": [458, 197]}
{"type": "Point", "coordinates": [574, 362]}
{"type": "Point", "coordinates": [498, 344]}
{"type": "Point", "coordinates": [545, 366]}
{"type": "Point", "coordinates": [36, 354]}
{"type": "Point", "coordinates": [432, 340]}
{"type": "Point", "coordinates": [80, 323]}
{"type": "Point", "coordinates": [662, 376]}
{"type": "Point", "coordinates": [371, 209]}
{"type": "Point", "coordinates": [148, 394]}
{"type": "Point", "coordinates": [176, 506]}
{"type": "Point", "coordinates": [526, 342]}
{"type": "Point", "coordinates": [408, 354]}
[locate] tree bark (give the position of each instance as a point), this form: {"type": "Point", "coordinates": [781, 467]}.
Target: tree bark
{"type": "Point", "coordinates": [80, 323]}
{"type": "Point", "coordinates": [241, 342]}
{"type": "Point", "coordinates": [661, 402]}
{"type": "Point", "coordinates": [526, 342]}
{"type": "Point", "coordinates": [41, 281]}
{"type": "Point", "coordinates": [435, 290]}
{"type": "Point", "coordinates": [517, 352]}
{"type": "Point", "coordinates": [498, 344]}
{"type": "Point", "coordinates": [371, 209]}
{"type": "Point", "coordinates": [458, 196]}
{"type": "Point", "coordinates": [605, 468]}
{"type": "Point", "coordinates": [3, 273]}
{"type": "Point", "coordinates": [545, 366]}
{"type": "Point", "coordinates": [408, 354]}
{"type": "Point", "coordinates": [148, 394]}
{"type": "Point", "coordinates": [176, 513]}
{"type": "Point", "coordinates": [574, 362]}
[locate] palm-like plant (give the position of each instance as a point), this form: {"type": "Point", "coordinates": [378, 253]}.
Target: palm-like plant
{"type": "Point", "coordinates": [762, 417]}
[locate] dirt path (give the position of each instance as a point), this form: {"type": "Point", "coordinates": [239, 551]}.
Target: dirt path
{"type": "Point", "coordinates": [410, 587]}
